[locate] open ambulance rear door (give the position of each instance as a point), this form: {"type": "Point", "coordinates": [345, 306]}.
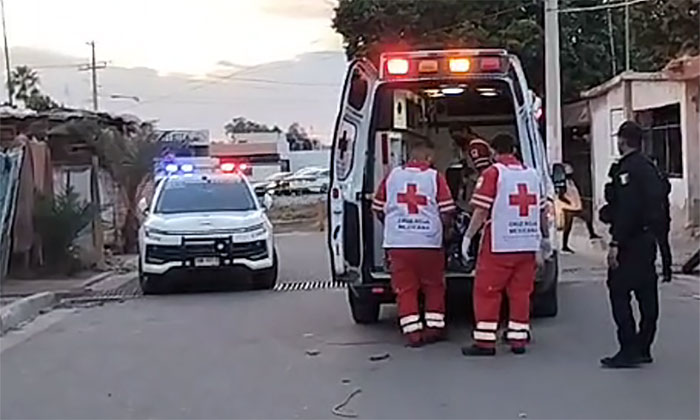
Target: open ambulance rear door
{"type": "Point", "coordinates": [345, 198]}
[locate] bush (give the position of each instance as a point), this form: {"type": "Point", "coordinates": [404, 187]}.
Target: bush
{"type": "Point", "coordinates": [59, 221]}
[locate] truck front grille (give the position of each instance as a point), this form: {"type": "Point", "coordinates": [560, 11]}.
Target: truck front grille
{"type": "Point", "coordinates": [223, 248]}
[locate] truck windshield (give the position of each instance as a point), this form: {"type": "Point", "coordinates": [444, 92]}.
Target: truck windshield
{"type": "Point", "coordinates": [204, 196]}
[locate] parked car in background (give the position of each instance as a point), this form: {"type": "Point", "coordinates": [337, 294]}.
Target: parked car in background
{"type": "Point", "coordinates": [309, 181]}
{"type": "Point", "coordinates": [272, 183]}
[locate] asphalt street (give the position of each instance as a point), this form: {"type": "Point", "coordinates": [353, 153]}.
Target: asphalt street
{"type": "Point", "coordinates": [246, 354]}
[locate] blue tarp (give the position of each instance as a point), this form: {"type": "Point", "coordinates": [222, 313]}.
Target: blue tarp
{"type": "Point", "coordinates": [10, 163]}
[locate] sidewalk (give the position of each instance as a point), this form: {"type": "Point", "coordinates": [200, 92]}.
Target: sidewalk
{"type": "Point", "coordinates": [592, 253]}
{"type": "Point", "coordinates": [120, 271]}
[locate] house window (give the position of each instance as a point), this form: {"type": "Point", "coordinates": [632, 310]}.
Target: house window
{"type": "Point", "coordinates": [662, 138]}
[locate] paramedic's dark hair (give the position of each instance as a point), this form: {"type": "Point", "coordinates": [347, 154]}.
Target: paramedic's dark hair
{"type": "Point", "coordinates": [503, 143]}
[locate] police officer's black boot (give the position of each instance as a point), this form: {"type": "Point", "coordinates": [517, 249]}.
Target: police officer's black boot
{"type": "Point", "coordinates": [621, 360]}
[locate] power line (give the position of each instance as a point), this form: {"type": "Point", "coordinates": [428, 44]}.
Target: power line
{"type": "Point", "coordinates": [599, 7]}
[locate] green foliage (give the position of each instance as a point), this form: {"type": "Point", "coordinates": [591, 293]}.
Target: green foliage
{"type": "Point", "coordinates": [25, 83]}
{"type": "Point", "coordinates": [243, 125]}
{"type": "Point", "coordinates": [660, 30]}
{"type": "Point", "coordinates": [59, 220]}
{"type": "Point", "coordinates": [128, 157]}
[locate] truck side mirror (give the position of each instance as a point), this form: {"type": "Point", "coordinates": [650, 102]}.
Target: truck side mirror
{"type": "Point", "coordinates": [143, 206]}
{"type": "Point", "coordinates": [559, 177]}
{"type": "Point", "coordinates": [267, 201]}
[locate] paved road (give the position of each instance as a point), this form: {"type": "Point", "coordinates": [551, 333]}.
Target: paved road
{"type": "Point", "coordinates": [243, 355]}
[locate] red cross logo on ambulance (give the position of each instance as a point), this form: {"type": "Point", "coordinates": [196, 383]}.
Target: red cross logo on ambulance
{"type": "Point", "coordinates": [523, 200]}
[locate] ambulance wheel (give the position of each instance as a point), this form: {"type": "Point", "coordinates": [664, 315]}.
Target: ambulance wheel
{"type": "Point", "coordinates": [364, 311]}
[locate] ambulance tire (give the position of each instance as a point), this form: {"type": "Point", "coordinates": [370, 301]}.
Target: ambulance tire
{"type": "Point", "coordinates": [545, 305]}
{"type": "Point", "coordinates": [364, 311]}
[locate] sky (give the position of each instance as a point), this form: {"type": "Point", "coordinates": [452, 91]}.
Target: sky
{"type": "Point", "coordinates": [167, 52]}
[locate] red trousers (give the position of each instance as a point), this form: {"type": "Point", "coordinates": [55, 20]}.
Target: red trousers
{"type": "Point", "coordinates": [512, 273]}
{"type": "Point", "coordinates": [414, 271]}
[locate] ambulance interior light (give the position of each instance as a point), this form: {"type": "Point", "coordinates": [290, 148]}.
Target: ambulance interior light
{"type": "Point", "coordinates": [171, 168]}
{"type": "Point", "coordinates": [187, 167]}
{"type": "Point", "coordinates": [452, 90]}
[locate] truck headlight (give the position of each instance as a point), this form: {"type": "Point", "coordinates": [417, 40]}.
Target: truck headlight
{"type": "Point", "coordinates": [153, 233]}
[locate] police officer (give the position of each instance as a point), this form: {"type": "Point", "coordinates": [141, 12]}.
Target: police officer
{"type": "Point", "coordinates": [634, 206]}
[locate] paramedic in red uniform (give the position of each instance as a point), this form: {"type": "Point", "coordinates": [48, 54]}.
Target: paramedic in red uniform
{"type": "Point", "coordinates": [508, 201]}
{"type": "Point", "coordinates": [414, 202]}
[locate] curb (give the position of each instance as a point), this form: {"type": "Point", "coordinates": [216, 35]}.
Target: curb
{"type": "Point", "coordinates": [24, 309]}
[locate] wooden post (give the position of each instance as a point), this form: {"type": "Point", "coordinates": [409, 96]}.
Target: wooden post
{"type": "Point", "coordinates": [320, 215]}
{"type": "Point", "coordinates": [97, 228]}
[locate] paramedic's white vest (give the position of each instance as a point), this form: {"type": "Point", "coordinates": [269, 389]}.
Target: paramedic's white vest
{"type": "Point", "coordinates": [411, 215]}
{"type": "Point", "coordinates": [515, 217]}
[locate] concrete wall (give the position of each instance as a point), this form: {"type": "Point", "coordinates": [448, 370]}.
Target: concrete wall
{"type": "Point", "coordinates": [607, 115]}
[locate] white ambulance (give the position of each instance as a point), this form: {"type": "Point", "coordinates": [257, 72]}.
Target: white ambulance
{"type": "Point", "coordinates": [420, 95]}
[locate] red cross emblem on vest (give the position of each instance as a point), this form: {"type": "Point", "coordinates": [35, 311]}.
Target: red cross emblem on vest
{"type": "Point", "coordinates": [412, 199]}
{"type": "Point", "coordinates": [523, 200]}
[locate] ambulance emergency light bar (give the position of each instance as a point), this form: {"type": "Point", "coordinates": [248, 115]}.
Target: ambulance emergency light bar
{"type": "Point", "coordinates": [442, 64]}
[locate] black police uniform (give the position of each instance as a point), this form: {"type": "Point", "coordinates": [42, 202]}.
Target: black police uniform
{"type": "Point", "coordinates": [634, 208]}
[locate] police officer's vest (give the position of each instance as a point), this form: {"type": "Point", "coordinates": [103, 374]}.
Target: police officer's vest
{"type": "Point", "coordinates": [515, 217]}
{"type": "Point", "coordinates": [412, 216]}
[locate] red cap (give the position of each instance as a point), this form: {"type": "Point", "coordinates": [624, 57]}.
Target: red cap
{"type": "Point", "coordinates": [480, 153]}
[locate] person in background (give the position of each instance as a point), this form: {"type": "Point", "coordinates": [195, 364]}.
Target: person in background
{"type": "Point", "coordinates": [415, 205]}
{"type": "Point", "coordinates": [634, 206]}
{"type": "Point", "coordinates": [662, 229]}
{"type": "Point", "coordinates": [572, 206]}
{"type": "Point", "coordinates": [508, 204]}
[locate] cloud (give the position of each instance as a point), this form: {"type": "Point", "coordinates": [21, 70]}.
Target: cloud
{"type": "Point", "coordinates": [305, 89]}
{"type": "Point", "coordinates": [305, 9]}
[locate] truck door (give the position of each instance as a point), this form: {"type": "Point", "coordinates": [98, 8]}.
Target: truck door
{"type": "Point", "coordinates": [348, 163]}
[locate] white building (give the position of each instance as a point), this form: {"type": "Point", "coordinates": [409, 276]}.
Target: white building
{"type": "Point", "coordinates": [666, 105]}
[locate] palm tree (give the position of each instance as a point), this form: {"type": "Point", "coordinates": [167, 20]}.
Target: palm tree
{"type": "Point", "coordinates": [24, 80]}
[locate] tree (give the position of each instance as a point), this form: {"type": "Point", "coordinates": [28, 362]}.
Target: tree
{"type": "Point", "coordinates": [25, 82]}
{"type": "Point", "coordinates": [661, 29]}
{"type": "Point", "coordinates": [243, 125]}
{"type": "Point", "coordinates": [128, 158]}
{"type": "Point", "coordinates": [298, 138]}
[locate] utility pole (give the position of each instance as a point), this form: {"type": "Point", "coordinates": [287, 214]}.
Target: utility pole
{"type": "Point", "coordinates": [10, 88]}
{"type": "Point", "coordinates": [627, 84]}
{"type": "Point", "coordinates": [93, 67]}
{"type": "Point", "coordinates": [552, 74]}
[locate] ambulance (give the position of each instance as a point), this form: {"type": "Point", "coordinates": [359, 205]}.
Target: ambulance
{"type": "Point", "coordinates": [419, 95]}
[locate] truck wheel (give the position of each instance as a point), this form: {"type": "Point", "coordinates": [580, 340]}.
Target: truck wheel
{"type": "Point", "coordinates": [364, 311]}
{"type": "Point", "coordinates": [151, 286]}
{"type": "Point", "coordinates": [267, 279]}
{"type": "Point", "coordinates": [545, 305]}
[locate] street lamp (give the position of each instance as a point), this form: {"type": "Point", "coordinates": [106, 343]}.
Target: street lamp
{"type": "Point", "coordinates": [131, 97]}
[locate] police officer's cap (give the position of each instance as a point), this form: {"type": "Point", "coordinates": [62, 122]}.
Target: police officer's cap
{"type": "Point", "coordinates": [630, 130]}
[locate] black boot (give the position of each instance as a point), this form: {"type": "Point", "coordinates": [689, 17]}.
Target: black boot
{"type": "Point", "coordinates": [621, 360]}
{"type": "Point", "coordinates": [475, 350]}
